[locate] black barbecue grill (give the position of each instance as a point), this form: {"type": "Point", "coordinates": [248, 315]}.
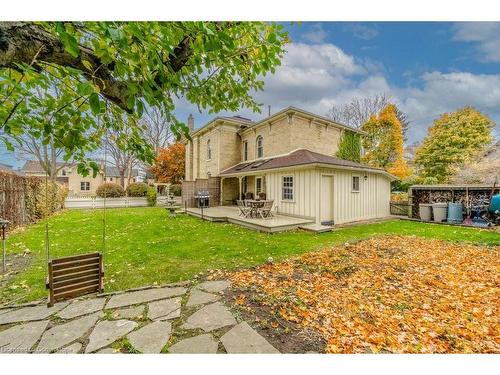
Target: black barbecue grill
{"type": "Point", "coordinates": [203, 199]}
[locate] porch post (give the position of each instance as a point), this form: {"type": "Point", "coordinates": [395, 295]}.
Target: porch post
{"type": "Point", "coordinates": [240, 180]}
{"type": "Point", "coordinates": [221, 191]}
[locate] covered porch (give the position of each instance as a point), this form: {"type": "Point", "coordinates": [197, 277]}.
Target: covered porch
{"type": "Point", "coordinates": [231, 214]}
{"type": "Point", "coordinates": [237, 187]}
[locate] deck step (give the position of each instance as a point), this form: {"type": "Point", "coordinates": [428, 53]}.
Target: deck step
{"type": "Point", "coordinates": [317, 228]}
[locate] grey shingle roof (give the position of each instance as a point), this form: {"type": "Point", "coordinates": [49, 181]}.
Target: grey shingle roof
{"type": "Point", "coordinates": [295, 158]}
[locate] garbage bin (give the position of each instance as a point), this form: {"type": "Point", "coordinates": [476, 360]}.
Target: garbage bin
{"type": "Point", "coordinates": [439, 211]}
{"type": "Point", "coordinates": [455, 213]}
{"type": "Point", "coordinates": [425, 211]}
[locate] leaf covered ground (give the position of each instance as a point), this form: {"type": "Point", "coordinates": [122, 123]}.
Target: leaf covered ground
{"type": "Point", "coordinates": [398, 294]}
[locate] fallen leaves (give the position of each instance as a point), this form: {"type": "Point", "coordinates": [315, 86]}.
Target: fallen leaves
{"type": "Point", "coordinates": [388, 294]}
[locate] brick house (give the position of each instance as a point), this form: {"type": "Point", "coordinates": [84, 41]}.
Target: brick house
{"type": "Point", "coordinates": [289, 156]}
{"type": "Point", "coordinates": [78, 184]}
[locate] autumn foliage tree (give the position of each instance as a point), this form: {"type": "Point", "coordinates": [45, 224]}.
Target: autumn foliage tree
{"type": "Point", "coordinates": [169, 164]}
{"type": "Point", "coordinates": [384, 142]}
{"type": "Point", "coordinates": [454, 139]}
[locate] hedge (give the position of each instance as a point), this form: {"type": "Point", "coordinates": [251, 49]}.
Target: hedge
{"type": "Point", "coordinates": [176, 189]}
{"type": "Point", "coordinates": [137, 189]}
{"type": "Point", "coordinates": [24, 200]}
{"type": "Point", "coordinates": [110, 190]}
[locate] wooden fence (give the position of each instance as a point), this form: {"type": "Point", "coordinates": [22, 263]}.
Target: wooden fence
{"type": "Point", "coordinates": [191, 188]}
{"type": "Point", "coordinates": [399, 208]}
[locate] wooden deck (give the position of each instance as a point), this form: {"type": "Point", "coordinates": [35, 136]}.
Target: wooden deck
{"type": "Point", "coordinates": [230, 214]}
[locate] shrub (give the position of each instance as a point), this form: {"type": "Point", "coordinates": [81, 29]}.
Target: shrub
{"type": "Point", "coordinates": [176, 189]}
{"type": "Point", "coordinates": [137, 189]}
{"type": "Point", "coordinates": [111, 190]}
{"type": "Point", "coordinates": [151, 195]}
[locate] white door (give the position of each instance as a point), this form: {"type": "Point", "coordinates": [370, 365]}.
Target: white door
{"type": "Point", "coordinates": [326, 200]}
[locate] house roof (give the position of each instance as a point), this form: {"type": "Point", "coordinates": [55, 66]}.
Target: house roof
{"type": "Point", "coordinates": [114, 172]}
{"type": "Point", "coordinates": [35, 167]}
{"type": "Point", "coordinates": [304, 113]}
{"type": "Point", "coordinates": [234, 119]}
{"type": "Point", "coordinates": [7, 168]}
{"type": "Point", "coordinates": [297, 158]}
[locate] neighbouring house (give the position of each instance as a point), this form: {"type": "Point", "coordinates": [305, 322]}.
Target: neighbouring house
{"type": "Point", "coordinates": [78, 184]}
{"type": "Point", "coordinates": [7, 168]}
{"type": "Point", "coordinates": [290, 156]}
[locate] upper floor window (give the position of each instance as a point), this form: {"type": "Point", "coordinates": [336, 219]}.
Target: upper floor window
{"type": "Point", "coordinates": [245, 150]}
{"type": "Point", "coordinates": [209, 150]}
{"type": "Point", "coordinates": [63, 172]}
{"type": "Point", "coordinates": [260, 147]}
{"type": "Point", "coordinates": [84, 185]}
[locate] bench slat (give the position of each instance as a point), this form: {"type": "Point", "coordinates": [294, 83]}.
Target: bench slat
{"type": "Point", "coordinates": [74, 257]}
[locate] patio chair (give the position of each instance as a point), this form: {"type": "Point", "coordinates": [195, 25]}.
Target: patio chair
{"type": "Point", "coordinates": [262, 196]}
{"type": "Point", "coordinates": [265, 210]}
{"type": "Point", "coordinates": [249, 195]}
{"type": "Point", "coordinates": [244, 210]}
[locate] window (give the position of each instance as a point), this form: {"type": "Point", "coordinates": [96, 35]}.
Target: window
{"type": "Point", "coordinates": [245, 150]}
{"type": "Point", "coordinates": [209, 150]}
{"type": "Point", "coordinates": [85, 185]}
{"type": "Point", "coordinates": [63, 172]}
{"type": "Point", "coordinates": [260, 147]}
{"type": "Point", "coordinates": [258, 185]}
{"type": "Point", "coordinates": [355, 183]}
{"type": "Point", "coordinates": [287, 188]}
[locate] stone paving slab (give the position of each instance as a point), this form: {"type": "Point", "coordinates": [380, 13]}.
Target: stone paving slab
{"type": "Point", "coordinates": [214, 286]}
{"type": "Point", "coordinates": [141, 296]}
{"type": "Point", "coordinates": [20, 338]}
{"type": "Point", "coordinates": [71, 349]}
{"type": "Point", "coordinates": [108, 331]}
{"type": "Point", "coordinates": [31, 313]}
{"type": "Point", "coordinates": [151, 338]}
{"type": "Point", "coordinates": [202, 344]}
{"type": "Point", "coordinates": [243, 339]}
{"type": "Point", "coordinates": [199, 297]}
{"type": "Point", "coordinates": [82, 307]}
{"type": "Point", "coordinates": [108, 351]}
{"type": "Point", "coordinates": [63, 334]}
{"type": "Point", "coordinates": [129, 312]}
{"type": "Point", "coordinates": [165, 309]}
{"type": "Point", "coordinates": [210, 317]}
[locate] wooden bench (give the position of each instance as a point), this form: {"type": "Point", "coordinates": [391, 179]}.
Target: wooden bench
{"type": "Point", "coordinates": [73, 276]}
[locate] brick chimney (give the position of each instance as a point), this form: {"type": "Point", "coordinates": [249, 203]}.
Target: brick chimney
{"type": "Point", "coordinates": [190, 123]}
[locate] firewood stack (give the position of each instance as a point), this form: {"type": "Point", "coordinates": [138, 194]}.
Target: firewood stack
{"type": "Point", "coordinates": [470, 199]}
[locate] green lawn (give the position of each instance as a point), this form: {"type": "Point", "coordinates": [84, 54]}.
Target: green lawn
{"type": "Point", "coordinates": [145, 246]}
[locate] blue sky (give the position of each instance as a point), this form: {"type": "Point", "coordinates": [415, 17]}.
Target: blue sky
{"type": "Point", "coordinates": [426, 67]}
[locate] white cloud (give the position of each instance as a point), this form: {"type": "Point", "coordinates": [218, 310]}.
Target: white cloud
{"type": "Point", "coordinates": [315, 77]}
{"type": "Point", "coordinates": [445, 92]}
{"type": "Point", "coordinates": [316, 35]}
{"type": "Point", "coordinates": [485, 34]}
{"type": "Point", "coordinates": [361, 31]}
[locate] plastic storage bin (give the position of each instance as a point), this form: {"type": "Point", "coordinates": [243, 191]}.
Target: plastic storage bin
{"type": "Point", "coordinates": [455, 213]}
{"type": "Point", "coordinates": [439, 211]}
{"type": "Point", "coordinates": [425, 211]}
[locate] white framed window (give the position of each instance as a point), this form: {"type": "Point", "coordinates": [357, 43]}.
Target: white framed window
{"type": "Point", "coordinates": [260, 147]}
{"type": "Point", "coordinates": [209, 150]}
{"type": "Point", "coordinates": [245, 151]}
{"type": "Point", "coordinates": [84, 185]}
{"type": "Point", "coordinates": [258, 185]}
{"type": "Point", "coordinates": [355, 184]}
{"type": "Point", "coordinates": [287, 188]}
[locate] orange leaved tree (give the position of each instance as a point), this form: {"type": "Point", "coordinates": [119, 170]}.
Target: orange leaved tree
{"type": "Point", "coordinates": [384, 142]}
{"type": "Point", "coordinates": [169, 164]}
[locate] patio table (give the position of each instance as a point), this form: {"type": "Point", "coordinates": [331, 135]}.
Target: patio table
{"type": "Point", "coordinates": [255, 205]}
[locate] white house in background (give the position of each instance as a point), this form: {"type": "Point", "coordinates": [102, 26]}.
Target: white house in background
{"type": "Point", "coordinates": [289, 156]}
{"type": "Point", "coordinates": [78, 184]}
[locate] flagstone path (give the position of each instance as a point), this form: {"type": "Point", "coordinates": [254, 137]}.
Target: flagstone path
{"type": "Point", "coordinates": [179, 318]}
